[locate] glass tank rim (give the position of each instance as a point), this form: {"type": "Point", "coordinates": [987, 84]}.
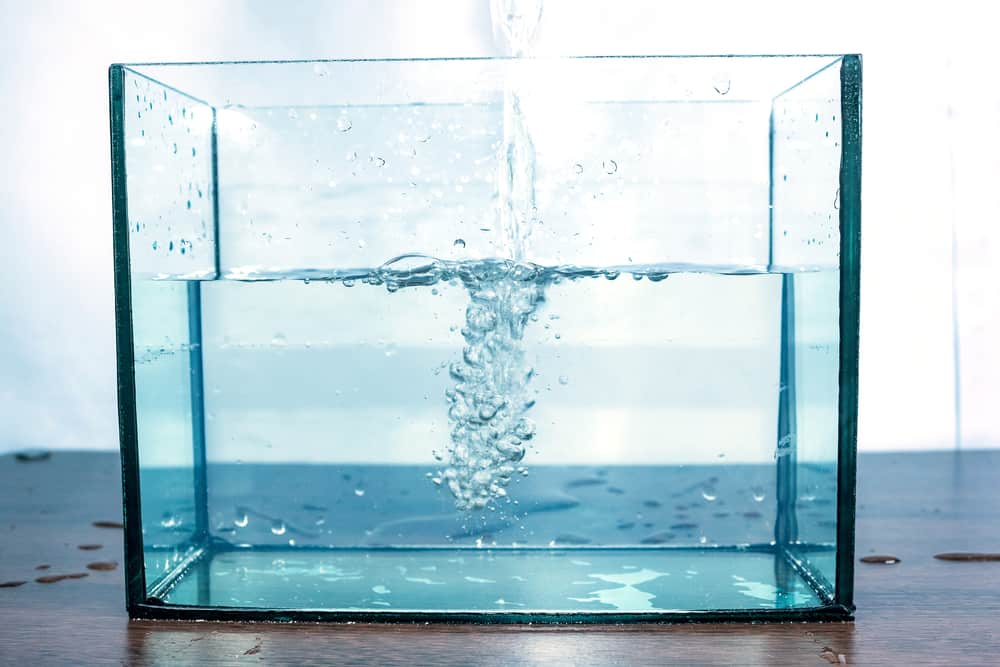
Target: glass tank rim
{"type": "Point", "coordinates": [541, 58]}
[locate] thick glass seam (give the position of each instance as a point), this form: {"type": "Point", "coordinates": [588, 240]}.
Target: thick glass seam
{"type": "Point", "coordinates": [135, 574]}
{"type": "Point", "coordinates": [850, 264]}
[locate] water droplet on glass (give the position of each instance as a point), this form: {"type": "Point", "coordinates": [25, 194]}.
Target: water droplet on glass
{"type": "Point", "coordinates": [359, 492]}
{"type": "Point", "coordinates": [578, 168]}
{"type": "Point", "coordinates": [610, 166]}
{"type": "Point", "coordinates": [459, 243]}
{"type": "Point", "coordinates": [563, 379]}
{"type": "Point", "coordinates": [293, 114]}
{"type": "Point", "coordinates": [709, 493]}
{"type": "Point", "coordinates": [344, 124]}
{"type": "Point", "coordinates": [278, 527]}
{"type": "Point", "coordinates": [758, 494]}
{"type": "Point", "coordinates": [784, 446]}
{"type": "Point", "coordinates": [836, 200]}
{"type": "Point", "coordinates": [279, 340]}
{"type": "Point", "coordinates": [169, 520]}
{"type": "Point", "coordinates": [379, 161]}
{"type": "Point", "coordinates": [320, 69]}
{"type": "Point", "coordinates": [721, 84]}
{"type": "Point", "coordinates": [241, 520]}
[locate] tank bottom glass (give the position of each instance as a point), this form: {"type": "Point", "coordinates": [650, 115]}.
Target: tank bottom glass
{"type": "Point", "coordinates": [587, 540]}
{"type": "Point", "coordinates": [494, 580]}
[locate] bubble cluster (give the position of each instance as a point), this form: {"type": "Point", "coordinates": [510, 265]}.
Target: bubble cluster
{"type": "Point", "coordinates": [489, 402]}
{"type": "Point", "coordinates": [488, 405]}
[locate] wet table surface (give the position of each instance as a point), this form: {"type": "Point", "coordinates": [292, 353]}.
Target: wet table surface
{"type": "Point", "coordinates": [919, 611]}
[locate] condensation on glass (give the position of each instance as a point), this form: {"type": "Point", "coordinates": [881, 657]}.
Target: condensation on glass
{"type": "Point", "coordinates": [490, 339]}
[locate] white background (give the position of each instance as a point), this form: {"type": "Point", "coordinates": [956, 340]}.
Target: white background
{"type": "Point", "coordinates": [931, 159]}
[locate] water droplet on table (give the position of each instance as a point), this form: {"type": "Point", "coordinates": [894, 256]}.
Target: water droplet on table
{"type": "Point", "coordinates": [880, 559]}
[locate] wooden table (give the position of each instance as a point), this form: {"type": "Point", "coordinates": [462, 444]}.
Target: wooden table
{"type": "Point", "coordinates": [920, 611]}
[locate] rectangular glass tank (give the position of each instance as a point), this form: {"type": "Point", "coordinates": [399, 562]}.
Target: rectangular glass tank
{"type": "Point", "coordinates": [495, 340]}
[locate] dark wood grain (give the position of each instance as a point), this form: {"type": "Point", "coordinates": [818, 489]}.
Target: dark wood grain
{"type": "Point", "coordinates": [918, 611]}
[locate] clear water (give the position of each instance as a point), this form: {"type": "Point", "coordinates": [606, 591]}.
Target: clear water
{"type": "Point", "coordinates": [488, 434]}
{"type": "Point", "coordinates": [442, 436]}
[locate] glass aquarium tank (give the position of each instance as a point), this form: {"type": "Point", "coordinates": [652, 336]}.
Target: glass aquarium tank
{"type": "Point", "coordinates": [497, 340]}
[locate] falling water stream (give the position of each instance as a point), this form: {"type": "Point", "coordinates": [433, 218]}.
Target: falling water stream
{"type": "Point", "coordinates": [490, 429]}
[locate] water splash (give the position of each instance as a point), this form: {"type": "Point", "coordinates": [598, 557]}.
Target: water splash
{"type": "Point", "coordinates": [489, 402]}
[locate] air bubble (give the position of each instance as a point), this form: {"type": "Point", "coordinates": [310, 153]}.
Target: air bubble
{"type": "Point", "coordinates": [722, 85]}
{"type": "Point", "coordinates": [488, 404]}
